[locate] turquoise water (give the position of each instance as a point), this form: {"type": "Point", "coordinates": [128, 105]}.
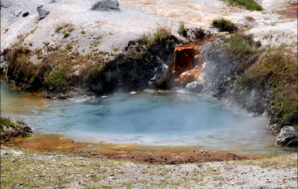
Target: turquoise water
{"type": "Point", "coordinates": [150, 119]}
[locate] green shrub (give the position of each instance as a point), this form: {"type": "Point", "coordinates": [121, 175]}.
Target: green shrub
{"type": "Point", "coordinates": [248, 4]}
{"type": "Point", "coordinates": [21, 69]}
{"type": "Point", "coordinates": [5, 122]}
{"type": "Point", "coordinates": [181, 27]}
{"type": "Point", "coordinates": [159, 34]}
{"type": "Point", "coordinates": [56, 80]}
{"type": "Point", "coordinates": [224, 25]}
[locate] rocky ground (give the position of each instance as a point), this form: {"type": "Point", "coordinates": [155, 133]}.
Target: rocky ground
{"type": "Point", "coordinates": [22, 168]}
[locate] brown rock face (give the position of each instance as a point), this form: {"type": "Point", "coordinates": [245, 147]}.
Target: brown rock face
{"type": "Point", "coordinates": [187, 65]}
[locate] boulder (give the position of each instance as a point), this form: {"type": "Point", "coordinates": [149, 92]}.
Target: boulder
{"type": "Point", "coordinates": [42, 12]}
{"type": "Point", "coordinates": [25, 14]}
{"type": "Point", "coordinates": [194, 87]}
{"type": "Point", "coordinates": [106, 5]}
{"type": "Point", "coordinates": [287, 136]}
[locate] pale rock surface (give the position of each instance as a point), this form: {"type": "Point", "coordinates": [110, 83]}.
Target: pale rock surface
{"type": "Point", "coordinates": [194, 87]}
{"type": "Point", "coordinates": [286, 134]}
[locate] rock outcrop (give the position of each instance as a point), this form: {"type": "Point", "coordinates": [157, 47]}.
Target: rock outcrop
{"type": "Point", "coordinates": [19, 129]}
{"type": "Point", "coordinates": [288, 136]}
{"type": "Point", "coordinates": [193, 33]}
{"type": "Point", "coordinates": [194, 87]}
{"type": "Point", "coordinates": [106, 5]}
{"type": "Point", "coordinates": [187, 65]}
{"type": "Point", "coordinates": [136, 68]}
{"type": "Point", "coordinates": [42, 12]}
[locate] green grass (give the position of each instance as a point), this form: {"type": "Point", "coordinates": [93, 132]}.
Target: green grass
{"type": "Point", "coordinates": [248, 4]}
{"type": "Point", "coordinates": [240, 45]}
{"type": "Point", "coordinates": [181, 27]}
{"type": "Point", "coordinates": [21, 69]}
{"type": "Point", "coordinates": [159, 35]}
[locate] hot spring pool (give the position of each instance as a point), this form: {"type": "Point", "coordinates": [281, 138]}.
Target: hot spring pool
{"type": "Point", "coordinates": [149, 119]}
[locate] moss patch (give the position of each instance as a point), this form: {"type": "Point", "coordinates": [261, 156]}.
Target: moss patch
{"type": "Point", "coordinates": [56, 80]}
{"type": "Point", "coordinates": [5, 122]}
{"type": "Point", "coordinates": [224, 25]}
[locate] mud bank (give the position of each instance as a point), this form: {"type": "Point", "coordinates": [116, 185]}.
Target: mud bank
{"type": "Point", "coordinates": [131, 152]}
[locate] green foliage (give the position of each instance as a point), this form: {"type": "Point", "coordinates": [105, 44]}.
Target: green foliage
{"type": "Point", "coordinates": [248, 4]}
{"type": "Point", "coordinates": [241, 46]}
{"type": "Point", "coordinates": [5, 122]}
{"type": "Point", "coordinates": [56, 80]}
{"type": "Point", "coordinates": [21, 69]}
{"type": "Point", "coordinates": [160, 34]}
{"type": "Point", "coordinates": [181, 27]}
{"type": "Point", "coordinates": [19, 61]}
{"type": "Point", "coordinates": [224, 25]}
